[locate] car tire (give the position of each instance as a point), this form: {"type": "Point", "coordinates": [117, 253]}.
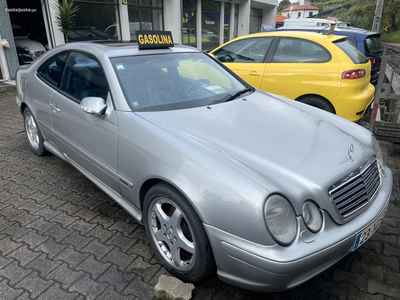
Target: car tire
{"type": "Point", "coordinates": [176, 234]}
{"type": "Point", "coordinates": [33, 133]}
{"type": "Point", "coordinates": [318, 103]}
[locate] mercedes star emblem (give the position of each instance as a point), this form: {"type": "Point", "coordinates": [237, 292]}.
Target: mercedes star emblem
{"type": "Point", "coordinates": [350, 152]}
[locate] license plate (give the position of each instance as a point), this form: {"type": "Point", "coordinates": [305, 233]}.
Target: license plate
{"type": "Point", "coordinates": [367, 232]}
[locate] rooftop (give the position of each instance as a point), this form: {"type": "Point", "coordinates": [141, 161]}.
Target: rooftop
{"type": "Point", "coordinates": [301, 7]}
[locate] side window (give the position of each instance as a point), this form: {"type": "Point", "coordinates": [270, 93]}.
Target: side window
{"type": "Point", "coordinates": [292, 50]}
{"type": "Point", "coordinates": [51, 71]}
{"type": "Point", "coordinates": [84, 77]}
{"type": "Point", "coordinates": [251, 50]}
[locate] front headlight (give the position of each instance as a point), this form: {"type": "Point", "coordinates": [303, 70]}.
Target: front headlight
{"type": "Point", "coordinates": [280, 219]}
{"type": "Point", "coordinates": [378, 152]}
{"type": "Point", "coordinates": [312, 216]}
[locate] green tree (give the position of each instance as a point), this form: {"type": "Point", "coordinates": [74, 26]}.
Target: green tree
{"type": "Point", "coordinates": [391, 10]}
{"type": "Point", "coordinates": [65, 16]}
{"type": "Point", "coordinates": [283, 4]}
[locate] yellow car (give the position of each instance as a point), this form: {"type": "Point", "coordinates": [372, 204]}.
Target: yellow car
{"type": "Point", "coordinates": [325, 71]}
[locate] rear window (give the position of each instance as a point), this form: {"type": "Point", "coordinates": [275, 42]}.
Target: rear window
{"type": "Point", "coordinates": [373, 46]}
{"type": "Point", "coordinates": [352, 51]}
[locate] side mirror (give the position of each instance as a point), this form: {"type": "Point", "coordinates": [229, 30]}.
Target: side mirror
{"type": "Point", "coordinates": [95, 106]}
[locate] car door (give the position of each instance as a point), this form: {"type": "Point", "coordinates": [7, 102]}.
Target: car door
{"type": "Point", "coordinates": [49, 74]}
{"type": "Point", "coordinates": [298, 67]}
{"type": "Point", "coordinates": [246, 58]}
{"type": "Point", "coordinates": [88, 141]}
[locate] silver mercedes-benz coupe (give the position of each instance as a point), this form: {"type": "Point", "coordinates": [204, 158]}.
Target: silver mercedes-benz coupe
{"type": "Point", "coordinates": [267, 191]}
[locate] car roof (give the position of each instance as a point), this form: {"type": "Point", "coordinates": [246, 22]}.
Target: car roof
{"type": "Point", "coordinates": [347, 31]}
{"type": "Point", "coordinates": [123, 48]}
{"type": "Point", "coordinates": [309, 19]}
{"type": "Point", "coordinates": [301, 34]}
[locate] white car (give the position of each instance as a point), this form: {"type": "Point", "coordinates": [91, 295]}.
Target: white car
{"type": "Point", "coordinates": [27, 49]}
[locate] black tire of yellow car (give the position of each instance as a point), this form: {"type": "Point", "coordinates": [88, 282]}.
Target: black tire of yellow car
{"type": "Point", "coordinates": [204, 262]}
{"type": "Point", "coordinates": [40, 150]}
{"type": "Point", "coordinates": [318, 103]}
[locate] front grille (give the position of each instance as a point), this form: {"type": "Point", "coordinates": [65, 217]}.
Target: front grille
{"type": "Point", "coordinates": [357, 189]}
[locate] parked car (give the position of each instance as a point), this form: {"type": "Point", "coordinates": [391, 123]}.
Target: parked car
{"type": "Point", "coordinates": [27, 49]}
{"type": "Point", "coordinates": [133, 27]}
{"type": "Point", "coordinates": [268, 191]}
{"type": "Point", "coordinates": [88, 33]}
{"type": "Point", "coordinates": [327, 72]}
{"type": "Point", "coordinates": [368, 42]}
{"type": "Point", "coordinates": [312, 22]}
{"type": "Point", "coordinates": [209, 35]}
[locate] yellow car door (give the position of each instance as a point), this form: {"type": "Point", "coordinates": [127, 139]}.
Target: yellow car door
{"type": "Point", "coordinates": [246, 58]}
{"type": "Point", "coordinates": [300, 67]}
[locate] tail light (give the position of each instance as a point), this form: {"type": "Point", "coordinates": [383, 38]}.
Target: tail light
{"type": "Point", "coordinates": [372, 60]}
{"type": "Point", "coordinates": [354, 74]}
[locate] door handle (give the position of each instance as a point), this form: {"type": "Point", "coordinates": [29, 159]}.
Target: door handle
{"type": "Point", "coordinates": [55, 108]}
{"type": "Point", "coordinates": [254, 73]}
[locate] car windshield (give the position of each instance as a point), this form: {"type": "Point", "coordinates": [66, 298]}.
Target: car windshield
{"type": "Point", "coordinates": [352, 51]}
{"type": "Point", "coordinates": [19, 32]}
{"type": "Point", "coordinates": [373, 45]}
{"type": "Point", "coordinates": [175, 81]}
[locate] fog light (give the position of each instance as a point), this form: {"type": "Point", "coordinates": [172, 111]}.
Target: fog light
{"type": "Point", "coordinates": [312, 216]}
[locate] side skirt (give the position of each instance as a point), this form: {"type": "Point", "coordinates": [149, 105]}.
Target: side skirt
{"type": "Point", "coordinates": [123, 202]}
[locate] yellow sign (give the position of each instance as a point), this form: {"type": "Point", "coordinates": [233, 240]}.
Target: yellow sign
{"type": "Point", "coordinates": [124, 2]}
{"type": "Point", "coordinates": [386, 28]}
{"type": "Point", "coordinates": [154, 39]}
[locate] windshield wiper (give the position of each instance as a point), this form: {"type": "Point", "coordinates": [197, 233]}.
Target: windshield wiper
{"type": "Point", "coordinates": [230, 97]}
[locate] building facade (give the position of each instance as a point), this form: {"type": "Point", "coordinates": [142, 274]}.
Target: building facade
{"type": "Point", "coordinates": [300, 11]}
{"type": "Point", "coordinates": [204, 24]}
{"type": "Point", "coordinates": [279, 21]}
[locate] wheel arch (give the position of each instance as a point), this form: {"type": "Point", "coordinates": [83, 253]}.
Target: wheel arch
{"type": "Point", "coordinates": [22, 107]}
{"type": "Point", "coordinates": [146, 186]}
{"type": "Point", "coordinates": [149, 183]}
{"type": "Point", "coordinates": [300, 98]}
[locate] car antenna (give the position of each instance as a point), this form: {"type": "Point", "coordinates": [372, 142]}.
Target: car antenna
{"type": "Point", "coordinates": [330, 30]}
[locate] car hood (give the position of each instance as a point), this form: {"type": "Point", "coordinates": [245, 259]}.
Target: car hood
{"type": "Point", "coordinates": [284, 147]}
{"type": "Point", "coordinates": [31, 44]}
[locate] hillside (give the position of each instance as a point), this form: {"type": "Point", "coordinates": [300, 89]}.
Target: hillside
{"type": "Point", "coordinates": [361, 14]}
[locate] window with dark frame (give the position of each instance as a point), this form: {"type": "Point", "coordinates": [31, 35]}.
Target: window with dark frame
{"type": "Point", "coordinates": [87, 18]}
{"type": "Point", "coordinates": [189, 22]}
{"type": "Point", "coordinates": [296, 50]}
{"type": "Point", "coordinates": [84, 77]}
{"type": "Point", "coordinates": [51, 71]}
{"type": "Point", "coordinates": [145, 15]}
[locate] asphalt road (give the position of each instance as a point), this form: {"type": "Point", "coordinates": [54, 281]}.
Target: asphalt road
{"type": "Point", "coordinates": [62, 238]}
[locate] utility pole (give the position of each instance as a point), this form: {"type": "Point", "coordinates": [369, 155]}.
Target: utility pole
{"type": "Point", "coordinates": [378, 14]}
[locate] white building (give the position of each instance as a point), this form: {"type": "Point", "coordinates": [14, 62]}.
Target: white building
{"type": "Point", "coordinates": [300, 11]}
{"type": "Point", "coordinates": [204, 24]}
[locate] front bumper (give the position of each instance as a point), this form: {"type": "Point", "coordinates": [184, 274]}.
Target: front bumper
{"type": "Point", "coordinates": [273, 268]}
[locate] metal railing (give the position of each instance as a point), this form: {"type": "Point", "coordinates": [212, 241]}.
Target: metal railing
{"type": "Point", "coordinates": [385, 118]}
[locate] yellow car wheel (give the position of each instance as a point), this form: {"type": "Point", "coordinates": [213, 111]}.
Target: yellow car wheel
{"type": "Point", "coordinates": [318, 102]}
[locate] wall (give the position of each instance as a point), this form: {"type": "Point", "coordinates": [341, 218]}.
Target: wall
{"type": "Point", "coordinates": [6, 33]}
{"type": "Point", "coordinates": [173, 19]}
{"type": "Point", "coordinates": [244, 17]}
